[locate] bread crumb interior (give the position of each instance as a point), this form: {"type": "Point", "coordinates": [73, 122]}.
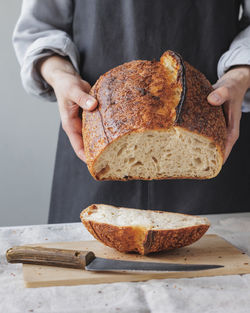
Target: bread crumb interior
{"type": "Point", "coordinates": [152, 154]}
{"type": "Point", "coordinates": [145, 218]}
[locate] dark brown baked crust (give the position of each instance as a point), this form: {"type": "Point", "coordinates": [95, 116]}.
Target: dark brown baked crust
{"type": "Point", "coordinates": [141, 95]}
{"type": "Point", "coordinates": [141, 240]}
{"type": "Point", "coordinates": [197, 115]}
{"type": "Point", "coordinates": [133, 96]}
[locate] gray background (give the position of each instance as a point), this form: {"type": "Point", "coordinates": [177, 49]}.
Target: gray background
{"type": "Point", "coordinates": [28, 135]}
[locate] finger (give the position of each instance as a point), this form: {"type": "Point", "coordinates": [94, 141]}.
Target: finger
{"type": "Point", "coordinates": [232, 137]}
{"type": "Point", "coordinates": [72, 128]}
{"type": "Point", "coordinates": [77, 145]}
{"type": "Point", "coordinates": [228, 149]}
{"type": "Point", "coordinates": [83, 99]}
{"type": "Point", "coordinates": [218, 96]}
{"type": "Point", "coordinates": [85, 85]}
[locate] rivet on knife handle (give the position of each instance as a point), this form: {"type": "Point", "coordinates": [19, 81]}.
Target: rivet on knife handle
{"type": "Point", "coordinates": [49, 256]}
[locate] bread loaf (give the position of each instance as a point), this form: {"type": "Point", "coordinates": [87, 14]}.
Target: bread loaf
{"type": "Point", "coordinates": [153, 121]}
{"type": "Point", "coordinates": [142, 231]}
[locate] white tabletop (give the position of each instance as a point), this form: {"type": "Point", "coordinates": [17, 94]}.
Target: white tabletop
{"type": "Point", "coordinates": [206, 294]}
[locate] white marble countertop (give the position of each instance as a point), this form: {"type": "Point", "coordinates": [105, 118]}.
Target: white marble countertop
{"type": "Point", "coordinates": [202, 295]}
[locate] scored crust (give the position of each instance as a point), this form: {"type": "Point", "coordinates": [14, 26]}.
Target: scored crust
{"type": "Point", "coordinates": [197, 115]}
{"type": "Point", "coordinates": [136, 96]}
{"type": "Point", "coordinates": [140, 239]}
{"type": "Point", "coordinates": [131, 98]}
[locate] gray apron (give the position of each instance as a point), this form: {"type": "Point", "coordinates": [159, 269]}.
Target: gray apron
{"type": "Point", "coordinates": [110, 32]}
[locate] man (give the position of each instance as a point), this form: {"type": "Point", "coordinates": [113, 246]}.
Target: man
{"type": "Point", "coordinates": [63, 47]}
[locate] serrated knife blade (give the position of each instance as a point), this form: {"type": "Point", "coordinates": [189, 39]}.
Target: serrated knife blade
{"type": "Point", "coordinates": [101, 264]}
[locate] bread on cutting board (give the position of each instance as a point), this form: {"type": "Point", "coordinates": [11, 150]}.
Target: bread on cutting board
{"type": "Point", "coordinates": [142, 231]}
{"type": "Point", "coordinates": [153, 121]}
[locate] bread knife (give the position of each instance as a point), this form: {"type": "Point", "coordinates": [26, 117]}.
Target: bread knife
{"type": "Point", "coordinates": [88, 261]}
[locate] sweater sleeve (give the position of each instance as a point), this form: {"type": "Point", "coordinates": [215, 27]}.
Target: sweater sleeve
{"type": "Point", "coordinates": [43, 28]}
{"type": "Point", "coordinates": [239, 51]}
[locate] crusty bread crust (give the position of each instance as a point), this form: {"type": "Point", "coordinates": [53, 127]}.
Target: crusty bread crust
{"type": "Point", "coordinates": [139, 239]}
{"type": "Point", "coordinates": [124, 108]}
{"type": "Point", "coordinates": [197, 115]}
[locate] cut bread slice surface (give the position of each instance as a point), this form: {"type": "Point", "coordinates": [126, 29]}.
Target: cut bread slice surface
{"type": "Point", "coordinates": [176, 153]}
{"type": "Point", "coordinates": [142, 231]}
{"type": "Point", "coordinates": [150, 219]}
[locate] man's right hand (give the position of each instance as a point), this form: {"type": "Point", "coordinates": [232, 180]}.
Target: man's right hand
{"type": "Point", "coordinates": [71, 92]}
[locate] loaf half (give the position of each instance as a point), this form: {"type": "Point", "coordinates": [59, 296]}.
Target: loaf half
{"type": "Point", "coordinates": [142, 231]}
{"type": "Point", "coordinates": [153, 121]}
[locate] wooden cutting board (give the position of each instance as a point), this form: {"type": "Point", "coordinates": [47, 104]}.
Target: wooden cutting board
{"type": "Point", "coordinates": [210, 249]}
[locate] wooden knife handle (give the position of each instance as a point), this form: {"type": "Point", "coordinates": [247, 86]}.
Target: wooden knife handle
{"type": "Point", "coordinates": [49, 256]}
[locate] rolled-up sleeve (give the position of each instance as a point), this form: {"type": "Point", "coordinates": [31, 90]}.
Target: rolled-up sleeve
{"type": "Point", "coordinates": [43, 28]}
{"type": "Point", "coordinates": [239, 51]}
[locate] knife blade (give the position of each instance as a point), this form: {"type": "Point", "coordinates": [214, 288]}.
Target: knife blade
{"type": "Point", "coordinates": [101, 264]}
{"type": "Point", "coordinates": [87, 260]}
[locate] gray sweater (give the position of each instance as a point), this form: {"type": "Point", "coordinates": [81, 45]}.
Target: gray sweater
{"type": "Point", "coordinates": [43, 29]}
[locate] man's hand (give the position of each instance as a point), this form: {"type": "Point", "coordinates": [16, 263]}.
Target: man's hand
{"type": "Point", "coordinates": [229, 92]}
{"type": "Point", "coordinates": [71, 92]}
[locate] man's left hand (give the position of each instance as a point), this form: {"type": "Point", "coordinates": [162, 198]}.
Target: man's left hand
{"type": "Point", "coordinates": [229, 92]}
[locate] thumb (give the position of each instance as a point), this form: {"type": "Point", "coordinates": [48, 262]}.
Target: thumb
{"type": "Point", "coordinates": [218, 96]}
{"type": "Point", "coordinates": [83, 99]}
